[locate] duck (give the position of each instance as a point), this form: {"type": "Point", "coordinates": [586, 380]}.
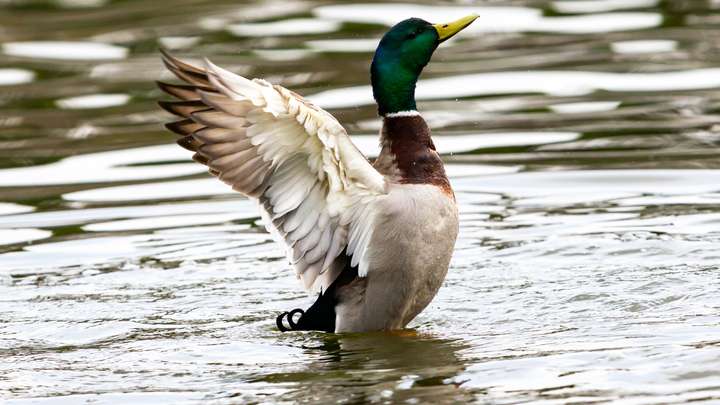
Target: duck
{"type": "Point", "coordinates": [371, 240]}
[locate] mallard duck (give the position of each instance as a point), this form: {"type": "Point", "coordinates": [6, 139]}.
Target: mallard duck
{"type": "Point", "coordinates": [373, 241]}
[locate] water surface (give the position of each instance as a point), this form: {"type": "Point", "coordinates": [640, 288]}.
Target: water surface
{"type": "Point", "coordinates": [580, 136]}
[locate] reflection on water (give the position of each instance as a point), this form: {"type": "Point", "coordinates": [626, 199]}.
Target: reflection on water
{"type": "Point", "coordinates": [354, 362]}
{"type": "Point", "coordinates": [580, 137]}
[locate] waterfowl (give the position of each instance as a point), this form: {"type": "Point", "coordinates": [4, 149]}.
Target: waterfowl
{"type": "Point", "coordinates": [373, 241]}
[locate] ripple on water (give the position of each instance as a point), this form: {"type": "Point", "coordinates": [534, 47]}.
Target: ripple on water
{"type": "Point", "coordinates": [80, 3]}
{"type": "Point", "coordinates": [166, 190]}
{"type": "Point", "coordinates": [592, 181]}
{"type": "Point", "coordinates": [600, 6]}
{"type": "Point", "coordinates": [554, 83]}
{"type": "Point", "coordinates": [178, 42]}
{"type": "Point", "coordinates": [20, 235]}
{"type": "Point", "coordinates": [344, 45]}
{"type": "Point", "coordinates": [494, 19]}
{"type": "Point", "coordinates": [161, 221]}
{"type": "Point", "coordinates": [11, 208]}
{"type": "Point", "coordinates": [121, 165]}
{"type": "Point", "coordinates": [297, 26]}
{"type": "Point", "coordinates": [138, 398]}
{"type": "Point", "coordinates": [79, 216]}
{"type": "Point", "coordinates": [584, 107]}
{"type": "Point", "coordinates": [280, 55]}
{"type": "Point", "coordinates": [93, 101]}
{"type": "Point", "coordinates": [644, 46]}
{"type": "Point", "coordinates": [64, 50]}
{"type": "Point", "coordinates": [112, 252]}
{"type": "Point", "coordinates": [12, 76]}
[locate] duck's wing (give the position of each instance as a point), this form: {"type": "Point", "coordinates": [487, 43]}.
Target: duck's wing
{"type": "Point", "coordinates": [315, 188]}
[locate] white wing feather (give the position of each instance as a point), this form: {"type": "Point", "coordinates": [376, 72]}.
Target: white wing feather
{"type": "Point", "coordinates": [316, 191]}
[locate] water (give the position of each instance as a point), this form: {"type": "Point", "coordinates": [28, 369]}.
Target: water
{"type": "Point", "coordinates": [581, 138]}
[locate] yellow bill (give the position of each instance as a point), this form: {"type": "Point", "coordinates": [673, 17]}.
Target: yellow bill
{"type": "Point", "coordinates": [447, 31]}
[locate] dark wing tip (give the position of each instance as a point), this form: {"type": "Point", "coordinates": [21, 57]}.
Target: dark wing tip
{"type": "Point", "coordinates": [183, 108]}
{"type": "Point", "coordinates": [183, 127]}
{"type": "Point", "coordinates": [168, 106]}
{"type": "Point", "coordinates": [177, 63]}
{"type": "Point", "coordinates": [185, 71]}
{"type": "Point", "coordinates": [164, 52]}
{"type": "Point", "coordinates": [200, 158]}
{"type": "Point", "coordinates": [183, 92]}
{"type": "Point", "coordinates": [189, 143]}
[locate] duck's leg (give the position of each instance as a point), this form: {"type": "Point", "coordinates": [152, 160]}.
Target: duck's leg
{"type": "Point", "coordinates": [320, 316]}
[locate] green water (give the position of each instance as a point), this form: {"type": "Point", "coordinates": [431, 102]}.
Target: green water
{"type": "Point", "coordinates": [580, 136]}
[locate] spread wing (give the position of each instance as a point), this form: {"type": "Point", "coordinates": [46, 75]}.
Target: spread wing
{"type": "Point", "coordinates": [315, 189]}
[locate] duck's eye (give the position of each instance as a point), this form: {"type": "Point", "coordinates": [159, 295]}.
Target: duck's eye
{"type": "Point", "coordinates": [413, 34]}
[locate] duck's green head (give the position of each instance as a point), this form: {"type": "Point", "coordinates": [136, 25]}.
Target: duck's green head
{"type": "Point", "coordinates": [401, 56]}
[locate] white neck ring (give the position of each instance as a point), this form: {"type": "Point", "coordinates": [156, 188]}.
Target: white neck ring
{"type": "Point", "coordinates": [409, 113]}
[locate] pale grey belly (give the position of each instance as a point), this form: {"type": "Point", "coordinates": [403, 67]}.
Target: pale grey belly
{"type": "Point", "coordinates": [410, 251]}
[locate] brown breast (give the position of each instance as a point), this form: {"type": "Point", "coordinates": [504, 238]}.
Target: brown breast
{"type": "Point", "coordinates": [409, 154]}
